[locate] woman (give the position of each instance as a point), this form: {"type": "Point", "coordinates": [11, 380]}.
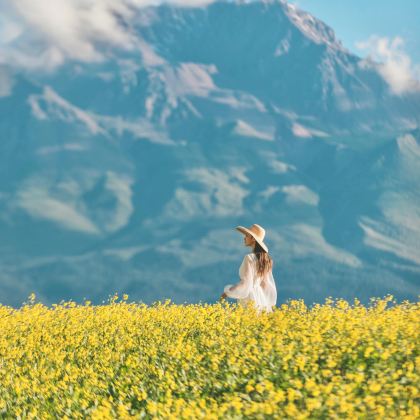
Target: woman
{"type": "Point", "coordinates": [256, 277]}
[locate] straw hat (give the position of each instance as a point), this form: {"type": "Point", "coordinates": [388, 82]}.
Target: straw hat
{"type": "Point", "coordinates": [257, 232]}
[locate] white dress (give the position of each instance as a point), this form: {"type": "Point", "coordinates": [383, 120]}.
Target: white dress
{"type": "Point", "coordinates": [253, 287]}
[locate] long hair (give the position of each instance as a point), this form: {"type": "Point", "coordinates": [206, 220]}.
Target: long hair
{"type": "Point", "coordinates": [264, 261]}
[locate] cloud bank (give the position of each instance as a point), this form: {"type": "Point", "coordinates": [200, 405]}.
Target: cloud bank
{"type": "Point", "coordinates": [395, 65]}
{"type": "Point", "coordinates": [43, 34]}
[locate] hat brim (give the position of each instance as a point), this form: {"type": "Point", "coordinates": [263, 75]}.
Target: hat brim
{"type": "Point", "coordinates": [250, 232]}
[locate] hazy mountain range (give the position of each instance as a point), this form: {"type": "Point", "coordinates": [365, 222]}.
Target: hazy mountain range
{"type": "Point", "coordinates": [130, 175]}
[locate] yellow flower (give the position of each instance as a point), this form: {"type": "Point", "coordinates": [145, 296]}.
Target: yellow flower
{"type": "Point", "coordinates": [375, 387]}
{"type": "Point", "coordinates": [171, 361]}
{"type": "Point", "coordinates": [259, 388]}
{"type": "Point", "coordinates": [249, 388]}
{"type": "Point", "coordinates": [369, 350]}
{"type": "Point", "coordinates": [291, 410]}
{"type": "Point", "coordinates": [313, 404]}
{"type": "Point", "coordinates": [278, 396]}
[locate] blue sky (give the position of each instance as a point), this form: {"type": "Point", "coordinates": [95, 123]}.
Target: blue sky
{"type": "Point", "coordinates": [356, 20]}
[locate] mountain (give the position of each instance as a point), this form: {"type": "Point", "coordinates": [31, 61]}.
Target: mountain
{"type": "Point", "coordinates": [130, 175]}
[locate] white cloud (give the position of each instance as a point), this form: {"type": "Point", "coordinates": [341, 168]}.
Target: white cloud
{"type": "Point", "coordinates": [43, 34]}
{"type": "Point", "coordinates": [393, 63]}
{"type": "Point", "coordinates": [9, 30]}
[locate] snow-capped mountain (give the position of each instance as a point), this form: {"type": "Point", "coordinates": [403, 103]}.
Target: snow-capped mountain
{"type": "Point", "coordinates": [130, 175]}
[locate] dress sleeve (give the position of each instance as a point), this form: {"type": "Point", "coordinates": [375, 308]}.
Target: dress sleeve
{"type": "Point", "coordinates": [269, 289]}
{"type": "Point", "coordinates": [246, 272]}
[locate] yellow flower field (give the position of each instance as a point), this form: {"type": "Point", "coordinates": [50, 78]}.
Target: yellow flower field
{"type": "Point", "coordinates": [122, 360]}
